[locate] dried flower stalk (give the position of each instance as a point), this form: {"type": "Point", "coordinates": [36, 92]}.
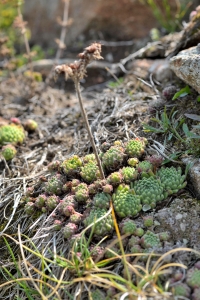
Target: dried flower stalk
{"type": "Point", "coordinates": [21, 25]}
{"type": "Point", "coordinates": [77, 71]}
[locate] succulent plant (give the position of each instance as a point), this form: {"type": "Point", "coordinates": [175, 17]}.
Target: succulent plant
{"type": "Point", "coordinates": [103, 227]}
{"type": "Point", "coordinates": [40, 201]}
{"type": "Point", "coordinates": [12, 133]}
{"type": "Point", "coordinates": [69, 200]}
{"type": "Point", "coordinates": [96, 251]}
{"type": "Point", "coordinates": [105, 146]}
{"type": "Point", "coordinates": [168, 92]}
{"type": "Point", "coordinates": [57, 225]}
{"type": "Point", "coordinates": [29, 208]}
{"type": "Point", "coordinates": [8, 151]}
{"type": "Point", "coordinates": [172, 179]}
{"type": "Point", "coordinates": [111, 291]}
{"type": "Point", "coordinates": [99, 184]}
{"type": "Point", "coordinates": [118, 143]}
{"type": "Point", "coordinates": [15, 120]}
{"type": "Point", "coordinates": [127, 226]}
{"type": "Point", "coordinates": [196, 294]}
{"type": "Point", "coordinates": [150, 240]}
{"type": "Point", "coordinates": [30, 125]}
{"type": "Point", "coordinates": [115, 178]}
{"type": "Point", "coordinates": [75, 182]}
{"type": "Point", "coordinates": [136, 249]}
{"type": "Point", "coordinates": [52, 202]}
{"type": "Point", "coordinates": [129, 174]}
{"type": "Point", "coordinates": [71, 166]}
{"type": "Point", "coordinates": [144, 167]}
{"type": "Point", "coordinates": [102, 200]}
{"type": "Point", "coordinates": [76, 218]}
{"type": "Point", "coordinates": [150, 191]}
{"type": "Point", "coordinates": [193, 277]}
{"type": "Point", "coordinates": [164, 236]}
{"type": "Point", "coordinates": [126, 203]}
{"type": "Point", "coordinates": [90, 172]}
{"type": "Point", "coordinates": [29, 191]}
{"type": "Point", "coordinates": [133, 161]}
{"type": "Point", "coordinates": [89, 158]}
{"type": "Point", "coordinates": [139, 232]}
{"type": "Point", "coordinates": [97, 295]}
{"type": "Point", "coordinates": [181, 289]}
{"type": "Point", "coordinates": [134, 240]}
{"type": "Point", "coordinates": [108, 188]}
{"type": "Point", "coordinates": [81, 193]}
{"type": "Point", "coordinates": [54, 166]}
{"type": "Point", "coordinates": [67, 187]}
{"type": "Point", "coordinates": [135, 147]}
{"type": "Point", "coordinates": [148, 221]}
{"type": "Point", "coordinates": [113, 158]}
{"type": "Point", "coordinates": [69, 230]}
{"type": "Point", "coordinates": [110, 254]}
{"type": "Point", "coordinates": [92, 189]}
{"type": "Point", "coordinates": [155, 160]}
{"type": "Point", "coordinates": [68, 210]}
{"type": "Point", "coordinates": [54, 185]}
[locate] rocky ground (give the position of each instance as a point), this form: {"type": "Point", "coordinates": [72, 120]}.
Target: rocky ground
{"type": "Point", "coordinates": [116, 111]}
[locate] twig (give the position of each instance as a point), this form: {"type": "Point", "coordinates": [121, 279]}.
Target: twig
{"type": "Point", "coordinates": [84, 115]}
{"type": "Point", "coordinates": [77, 71]}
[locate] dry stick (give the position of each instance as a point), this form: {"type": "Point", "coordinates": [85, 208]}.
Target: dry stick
{"type": "Point", "coordinates": [84, 115]}
{"type": "Point", "coordinates": [28, 50]}
{"type": "Point", "coordinates": [63, 31]}
{"type": "Point", "coordinates": [61, 41]}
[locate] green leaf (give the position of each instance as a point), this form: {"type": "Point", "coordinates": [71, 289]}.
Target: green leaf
{"type": "Point", "coordinates": [188, 133]}
{"type": "Point", "coordinates": [183, 92]}
{"type": "Point", "coordinates": [186, 129]}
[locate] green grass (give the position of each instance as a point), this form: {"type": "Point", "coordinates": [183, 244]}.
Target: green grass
{"type": "Point", "coordinates": [79, 271]}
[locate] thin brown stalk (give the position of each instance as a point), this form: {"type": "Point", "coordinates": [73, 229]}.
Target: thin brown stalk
{"type": "Point", "coordinates": [63, 31]}
{"type": "Point", "coordinates": [84, 115]}
{"type": "Point", "coordinates": [23, 31]}
{"type": "Point", "coordinates": [61, 41]}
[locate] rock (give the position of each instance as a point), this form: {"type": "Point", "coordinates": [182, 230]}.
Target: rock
{"type": "Point", "coordinates": [181, 219]}
{"type": "Point", "coordinates": [161, 70]}
{"type": "Point", "coordinates": [186, 66]}
{"type": "Point", "coordinates": [118, 19]}
{"type": "Point", "coordinates": [194, 174]}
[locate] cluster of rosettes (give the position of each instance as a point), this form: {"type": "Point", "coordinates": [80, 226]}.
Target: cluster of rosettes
{"type": "Point", "coordinates": [150, 191]}
{"type": "Point", "coordinates": [54, 185]}
{"type": "Point", "coordinates": [42, 203]}
{"type": "Point", "coordinates": [172, 179]}
{"type": "Point", "coordinates": [90, 172]}
{"type": "Point", "coordinates": [142, 239]}
{"type": "Point", "coordinates": [74, 186]}
{"type": "Point", "coordinates": [113, 158]}
{"type": "Point", "coordinates": [126, 203]}
{"type": "Point", "coordinates": [71, 166]}
{"type": "Point", "coordinates": [8, 151]}
{"type": "Point", "coordinates": [145, 168]}
{"type": "Point", "coordinates": [136, 147]}
{"type": "Point", "coordinates": [11, 133]}
{"type": "Point", "coordinates": [103, 227]}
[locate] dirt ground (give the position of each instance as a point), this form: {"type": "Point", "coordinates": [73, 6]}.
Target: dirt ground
{"type": "Point", "coordinates": [115, 112]}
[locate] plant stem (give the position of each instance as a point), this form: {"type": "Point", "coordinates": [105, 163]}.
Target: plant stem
{"type": "Point", "coordinates": [28, 51]}
{"type": "Point", "coordinates": [84, 115]}
{"type": "Point", "coordinates": [63, 30]}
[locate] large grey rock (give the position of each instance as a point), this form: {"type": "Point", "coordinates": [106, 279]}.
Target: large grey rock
{"type": "Point", "coordinates": [194, 173]}
{"type": "Point", "coordinates": [186, 66]}
{"type": "Point", "coordinates": [181, 220]}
